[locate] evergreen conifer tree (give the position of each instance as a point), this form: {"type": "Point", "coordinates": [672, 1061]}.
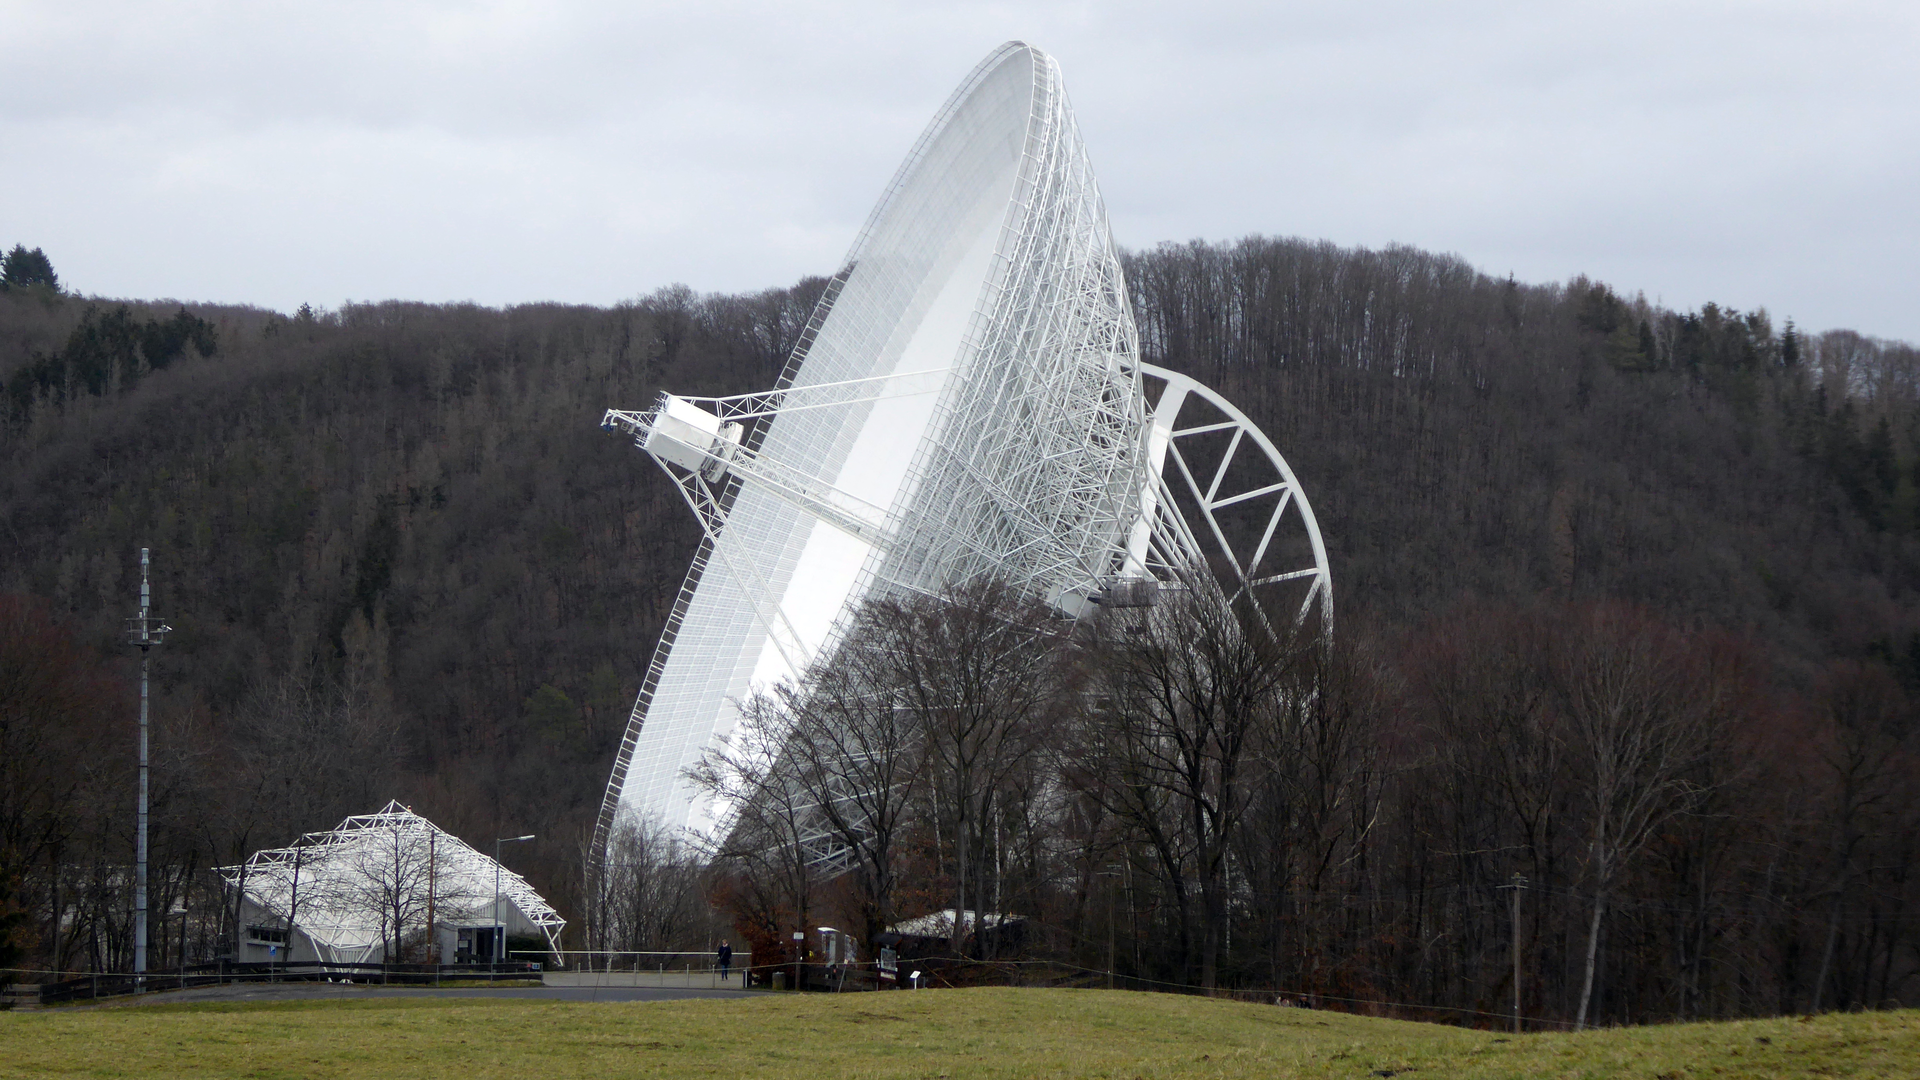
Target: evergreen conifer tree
{"type": "Point", "coordinates": [23, 269]}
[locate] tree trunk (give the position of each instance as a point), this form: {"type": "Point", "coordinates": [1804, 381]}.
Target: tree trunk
{"type": "Point", "coordinates": [960, 866]}
{"type": "Point", "coordinates": [239, 913]}
{"type": "Point", "coordinates": [1210, 935]}
{"type": "Point", "coordinates": [1593, 953]}
{"type": "Point", "coordinates": [1826, 955]}
{"type": "Point", "coordinates": [57, 935]}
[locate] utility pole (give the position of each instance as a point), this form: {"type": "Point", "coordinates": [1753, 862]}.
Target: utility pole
{"type": "Point", "coordinates": [1519, 882]}
{"type": "Point", "coordinates": [433, 943]}
{"type": "Point", "coordinates": [143, 632]}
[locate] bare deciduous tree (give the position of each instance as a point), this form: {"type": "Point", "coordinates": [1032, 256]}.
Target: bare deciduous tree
{"type": "Point", "coordinates": [858, 749]}
{"type": "Point", "coordinates": [1865, 754]}
{"type": "Point", "coordinates": [1185, 699]}
{"type": "Point", "coordinates": [979, 676]}
{"type": "Point", "coordinates": [652, 893]}
{"type": "Point", "coordinates": [766, 848]}
{"type": "Point", "coordinates": [1642, 707]}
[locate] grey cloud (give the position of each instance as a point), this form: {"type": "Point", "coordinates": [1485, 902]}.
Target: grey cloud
{"type": "Point", "coordinates": [1752, 154]}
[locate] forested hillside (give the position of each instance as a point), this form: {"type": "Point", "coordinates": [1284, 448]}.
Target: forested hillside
{"type": "Point", "coordinates": [1465, 436]}
{"type": "Point", "coordinates": [399, 524]}
{"type": "Point", "coordinates": [402, 560]}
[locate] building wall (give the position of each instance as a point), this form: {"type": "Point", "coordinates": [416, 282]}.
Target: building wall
{"type": "Point", "coordinates": [264, 938]}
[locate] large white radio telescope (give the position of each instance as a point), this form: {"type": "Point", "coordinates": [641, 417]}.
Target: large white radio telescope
{"type": "Point", "coordinates": [967, 401]}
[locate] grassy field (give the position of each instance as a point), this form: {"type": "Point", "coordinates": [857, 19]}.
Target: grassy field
{"type": "Point", "coordinates": [952, 1034]}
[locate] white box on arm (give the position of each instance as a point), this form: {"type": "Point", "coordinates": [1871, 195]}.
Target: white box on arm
{"type": "Point", "coordinates": [692, 438]}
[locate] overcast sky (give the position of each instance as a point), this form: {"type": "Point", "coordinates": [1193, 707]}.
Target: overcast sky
{"type": "Point", "coordinates": [1754, 154]}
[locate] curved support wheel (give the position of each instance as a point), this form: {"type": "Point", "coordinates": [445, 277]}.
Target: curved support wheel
{"type": "Point", "coordinates": [1222, 499]}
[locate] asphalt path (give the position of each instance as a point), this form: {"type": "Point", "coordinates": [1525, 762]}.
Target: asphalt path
{"type": "Point", "coordinates": [320, 991]}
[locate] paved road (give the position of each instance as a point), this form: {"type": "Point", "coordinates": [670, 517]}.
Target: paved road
{"type": "Point", "coordinates": [709, 980]}
{"type": "Point", "coordinates": [308, 991]}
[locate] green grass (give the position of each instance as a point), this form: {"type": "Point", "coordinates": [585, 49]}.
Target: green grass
{"type": "Point", "coordinates": [953, 1034]}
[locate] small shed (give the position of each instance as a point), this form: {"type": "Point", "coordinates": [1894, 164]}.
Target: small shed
{"type": "Point", "coordinates": [931, 936]}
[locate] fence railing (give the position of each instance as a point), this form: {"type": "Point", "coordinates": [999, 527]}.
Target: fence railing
{"type": "Point", "coordinates": [906, 973]}
{"type": "Point", "coordinates": [108, 984]}
{"type": "Point", "coordinates": [641, 962]}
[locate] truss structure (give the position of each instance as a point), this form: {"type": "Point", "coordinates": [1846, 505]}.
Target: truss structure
{"type": "Point", "coordinates": [1031, 466]}
{"type": "Point", "coordinates": [966, 402]}
{"type": "Point", "coordinates": [1221, 499]}
{"type": "Point", "coordinates": [339, 888]}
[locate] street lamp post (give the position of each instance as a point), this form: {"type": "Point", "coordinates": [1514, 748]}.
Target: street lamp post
{"type": "Point", "coordinates": [500, 928]}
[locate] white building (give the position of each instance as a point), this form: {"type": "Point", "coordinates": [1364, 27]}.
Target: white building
{"type": "Point", "coordinates": [349, 894]}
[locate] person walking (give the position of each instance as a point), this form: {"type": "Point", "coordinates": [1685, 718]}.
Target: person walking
{"type": "Point", "coordinates": [726, 960]}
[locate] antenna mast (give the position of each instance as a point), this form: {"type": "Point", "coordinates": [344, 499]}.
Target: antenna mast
{"type": "Point", "coordinates": [143, 633]}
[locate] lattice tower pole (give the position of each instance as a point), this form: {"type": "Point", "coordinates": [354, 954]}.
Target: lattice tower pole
{"type": "Point", "coordinates": [143, 634]}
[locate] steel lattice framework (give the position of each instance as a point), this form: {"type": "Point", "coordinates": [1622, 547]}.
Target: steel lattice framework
{"type": "Point", "coordinates": [1032, 465]}
{"type": "Point", "coordinates": [335, 883]}
{"type": "Point", "coordinates": [966, 402]}
{"type": "Point", "coordinates": [1220, 498]}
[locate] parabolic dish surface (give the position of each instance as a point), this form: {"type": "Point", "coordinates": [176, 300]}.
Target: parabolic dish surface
{"type": "Point", "coordinates": [962, 265]}
{"type": "Point", "coordinates": [967, 402]}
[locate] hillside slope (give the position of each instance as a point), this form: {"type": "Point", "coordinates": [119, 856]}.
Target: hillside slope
{"type": "Point", "coordinates": [402, 559]}
{"type": "Point", "coordinates": [955, 1033]}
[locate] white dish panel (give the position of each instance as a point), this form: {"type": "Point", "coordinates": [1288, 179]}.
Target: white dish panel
{"type": "Point", "coordinates": [912, 288]}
